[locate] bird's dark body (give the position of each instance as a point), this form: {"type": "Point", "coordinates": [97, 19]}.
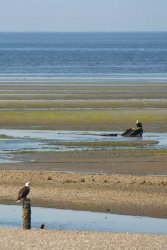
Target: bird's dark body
{"type": "Point", "coordinates": [139, 125]}
{"type": "Point", "coordinates": [23, 193]}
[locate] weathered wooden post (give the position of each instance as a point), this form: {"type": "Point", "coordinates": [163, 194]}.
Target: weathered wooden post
{"type": "Point", "coordinates": [26, 216]}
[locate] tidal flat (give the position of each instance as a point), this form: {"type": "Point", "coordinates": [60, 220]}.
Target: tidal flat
{"type": "Point", "coordinates": [125, 181]}
{"type": "Point", "coordinates": [83, 106]}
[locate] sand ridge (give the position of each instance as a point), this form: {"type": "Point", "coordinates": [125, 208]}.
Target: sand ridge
{"type": "Point", "coordinates": [122, 194]}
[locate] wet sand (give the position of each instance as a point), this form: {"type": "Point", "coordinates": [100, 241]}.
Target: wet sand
{"type": "Point", "coordinates": [83, 106]}
{"type": "Point", "coordinates": [138, 162]}
{"type": "Point", "coordinates": [97, 180]}
{"type": "Point", "coordinates": [121, 194]}
{"type": "Point", "coordinates": [122, 182]}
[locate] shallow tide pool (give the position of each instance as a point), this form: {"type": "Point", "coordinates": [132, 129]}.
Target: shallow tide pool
{"type": "Point", "coordinates": [45, 140]}
{"type": "Point", "coordinates": [11, 216]}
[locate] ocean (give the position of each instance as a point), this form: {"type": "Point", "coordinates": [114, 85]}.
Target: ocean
{"type": "Point", "coordinates": [83, 56]}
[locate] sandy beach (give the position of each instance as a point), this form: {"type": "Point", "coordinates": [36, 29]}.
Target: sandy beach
{"type": "Point", "coordinates": [123, 181]}
{"type": "Point", "coordinates": [52, 239]}
{"type": "Point", "coordinates": [121, 194]}
{"type": "Point", "coordinates": [126, 181]}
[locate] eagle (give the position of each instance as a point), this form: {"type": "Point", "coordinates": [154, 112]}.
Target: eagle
{"type": "Point", "coordinates": [139, 124]}
{"type": "Point", "coordinates": [139, 127]}
{"type": "Point", "coordinates": [24, 191]}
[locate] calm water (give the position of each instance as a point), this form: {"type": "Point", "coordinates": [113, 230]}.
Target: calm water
{"type": "Point", "coordinates": [47, 140]}
{"type": "Point", "coordinates": [83, 56]}
{"type": "Point", "coordinates": [11, 216]}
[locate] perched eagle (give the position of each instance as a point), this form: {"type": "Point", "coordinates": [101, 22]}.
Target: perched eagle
{"type": "Point", "coordinates": [24, 191]}
{"type": "Point", "coordinates": [139, 127]}
{"type": "Point", "coordinates": [139, 124]}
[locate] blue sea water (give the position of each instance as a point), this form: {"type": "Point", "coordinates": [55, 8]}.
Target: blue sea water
{"type": "Point", "coordinates": [83, 56]}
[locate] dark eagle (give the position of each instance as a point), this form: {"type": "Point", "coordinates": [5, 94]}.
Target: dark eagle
{"type": "Point", "coordinates": [24, 191]}
{"type": "Point", "coordinates": [139, 124]}
{"type": "Point", "coordinates": [139, 127]}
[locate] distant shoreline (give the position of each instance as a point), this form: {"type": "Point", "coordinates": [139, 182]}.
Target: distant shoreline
{"type": "Point", "coordinates": [84, 80]}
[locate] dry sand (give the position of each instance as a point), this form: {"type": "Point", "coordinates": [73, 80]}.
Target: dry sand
{"type": "Point", "coordinates": [75, 240]}
{"type": "Point", "coordinates": [122, 194]}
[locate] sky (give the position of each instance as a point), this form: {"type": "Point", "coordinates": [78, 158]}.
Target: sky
{"type": "Point", "coordinates": [83, 15]}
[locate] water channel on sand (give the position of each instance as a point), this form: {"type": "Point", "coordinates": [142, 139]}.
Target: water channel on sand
{"type": "Point", "coordinates": [18, 141]}
{"type": "Point", "coordinates": [11, 216]}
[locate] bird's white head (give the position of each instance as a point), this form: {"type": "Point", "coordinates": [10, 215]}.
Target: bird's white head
{"type": "Point", "coordinates": [27, 184]}
{"type": "Point", "coordinates": [137, 121]}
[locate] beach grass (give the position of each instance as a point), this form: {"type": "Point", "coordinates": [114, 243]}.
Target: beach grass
{"type": "Point", "coordinates": [107, 143]}
{"type": "Point", "coordinates": [2, 136]}
{"type": "Point", "coordinates": [90, 119]}
{"type": "Point", "coordinates": [84, 106]}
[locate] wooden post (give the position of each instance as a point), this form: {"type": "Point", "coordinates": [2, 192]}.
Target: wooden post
{"type": "Point", "coordinates": [26, 213]}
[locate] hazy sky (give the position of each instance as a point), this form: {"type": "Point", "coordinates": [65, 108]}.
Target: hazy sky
{"type": "Point", "coordinates": [83, 15]}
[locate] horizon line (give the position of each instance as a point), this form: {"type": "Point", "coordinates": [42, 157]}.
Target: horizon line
{"type": "Point", "coordinates": [77, 31]}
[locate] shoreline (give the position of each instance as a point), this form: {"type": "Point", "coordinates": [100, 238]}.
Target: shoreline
{"type": "Point", "coordinates": [130, 161]}
{"type": "Point", "coordinates": [118, 194]}
{"type": "Point", "coordinates": [115, 181]}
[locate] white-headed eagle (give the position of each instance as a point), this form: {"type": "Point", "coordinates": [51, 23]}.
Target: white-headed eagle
{"type": "Point", "coordinates": [24, 191]}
